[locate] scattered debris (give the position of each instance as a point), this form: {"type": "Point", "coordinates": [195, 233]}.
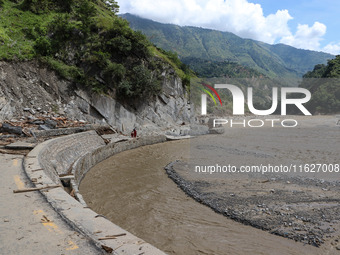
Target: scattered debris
{"type": "Point", "coordinates": [14, 152]}
{"type": "Point", "coordinates": [52, 124]}
{"type": "Point", "coordinates": [20, 146]}
{"type": "Point", "coordinates": [111, 237]}
{"type": "Point", "coordinates": [36, 170]}
{"type": "Point", "coordinates": [4, 143]}
{"type": "Point", "coordinates": [99, 215]}
{"type": "Point", "coordinates": [72, 193]}
{"type": "Point", "coordinates": [11, 129]}
{"type": "Point", "coordinates": [43, 127]}
{"type": "Point", "coordinates": [26, 125]}
{"type": "Point", "coordinates": [66, 177]}
{"type": "Point", "coordinates": [107, 249]}
{"type": "Point", "coordinates": [104, 130]}
{"type": "Point", "coordinates": [45, 219]}
{"type": "Point", "coordinates": [118, 247]}
{"type": "Point", "coordinates": [35, 189]}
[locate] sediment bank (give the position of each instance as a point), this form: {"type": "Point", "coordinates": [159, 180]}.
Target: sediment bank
{"type": "Point", "coordinates": [301, 204]}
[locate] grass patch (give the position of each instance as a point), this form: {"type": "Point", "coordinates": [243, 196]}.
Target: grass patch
{"type": "Point", "coordinates": [68, 72]}
{"type": "Point", "coordinates": [16, 28]}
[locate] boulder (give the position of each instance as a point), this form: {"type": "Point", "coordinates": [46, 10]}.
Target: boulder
{"type": "Point", "coordinates": [216, 131]}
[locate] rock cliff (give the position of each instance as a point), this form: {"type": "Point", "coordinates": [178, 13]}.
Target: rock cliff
{"type": "Point", "coordinates": [30, 89]}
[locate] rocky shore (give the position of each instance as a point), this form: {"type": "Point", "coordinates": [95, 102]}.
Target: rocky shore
{"type": "Point", "coordinates": [310, 224]}
{"type": "Point", "coordinates": [304, 207]}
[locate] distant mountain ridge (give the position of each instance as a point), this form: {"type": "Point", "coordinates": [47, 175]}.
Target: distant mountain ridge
{"type": "Point", "coordinates": [275, 61]}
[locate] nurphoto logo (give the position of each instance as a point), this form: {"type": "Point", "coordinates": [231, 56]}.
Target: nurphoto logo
{"type": "Point", "coordinates": [239, 104]}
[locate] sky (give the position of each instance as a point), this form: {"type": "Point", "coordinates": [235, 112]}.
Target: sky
{"type": "Point", "coordinates": [304, 24]}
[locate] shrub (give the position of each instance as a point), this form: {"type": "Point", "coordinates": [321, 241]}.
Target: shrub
{"type": "Point", "coordinates": [114, 72]}
{"type": "Point", "coordinates": [41, 6]}
{"type": "Point", "coordinates": [36, 6]}
{"type": "Point", "coordinates": [42, 46]}
{"type": "Point", "coordinates": [142, 83]}
{"type": "Point", "coordinates": [120, 44]}
{"type": "Point", "coordinates": [3, 36]}
{"type": "Point", "coordinates": [71, 73]}
{"type": "Point", "coordinates": [85, 13]}
{"type": "Point", "coordinates": [61, 29]}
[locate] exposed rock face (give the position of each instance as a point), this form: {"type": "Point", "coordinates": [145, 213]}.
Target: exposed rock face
{"type": "Point", "coordinates": [27, 89]}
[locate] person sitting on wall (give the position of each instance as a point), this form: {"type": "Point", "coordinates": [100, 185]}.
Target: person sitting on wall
{"type": "Point", "coordinates": [134, 133]}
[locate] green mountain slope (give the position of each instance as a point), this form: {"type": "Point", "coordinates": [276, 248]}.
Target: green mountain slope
{"type": "Point", "coordinates": [324, 84]}
{"type": "Point", "coordinates": [85, 42]}
{"type": "Point", "coordinates": [276, 61]}
{"type": "Point", "coordinates": [297, 59]}
{"type": "Point", "coordinates": [209, 69]}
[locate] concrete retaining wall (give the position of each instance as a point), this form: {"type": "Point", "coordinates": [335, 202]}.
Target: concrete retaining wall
{"type": "Point", "coordinates": [78, 153]}
{"type": "Point", "coordinates": [58, 155]}
{"type": "Point", "coordinates": [85, 163]}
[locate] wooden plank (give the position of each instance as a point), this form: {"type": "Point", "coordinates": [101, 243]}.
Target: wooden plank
{"type": "Point", "coordinates": [35, 189]}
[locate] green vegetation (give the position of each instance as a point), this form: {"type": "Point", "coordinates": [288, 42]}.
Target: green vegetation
{"type": "Point", "coordinates": [86, 42]}
{"type": "Point", "coordinates": [274, 61]}
{"type": "Point", "coordinates": [210, 69]}
{"type": "Point", "coordinates": [184, 72]}
{"type": "Point", "coordinates": [324, 84]}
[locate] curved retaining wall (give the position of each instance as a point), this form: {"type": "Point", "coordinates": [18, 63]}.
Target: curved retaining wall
{"type": "Point", "coordinates": [75, 155]}
{"type": "Point", "coordinates": [92, 158]}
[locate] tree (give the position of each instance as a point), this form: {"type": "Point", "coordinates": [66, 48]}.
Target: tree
{"type": "Point", "coordinates": [112, 5]}
{"type": "Point", "coordinates": [325, 92]}
{"type": "Point", "coordinates": [85, 13]}
{"type": "Point", "coordinates": [333, 68]}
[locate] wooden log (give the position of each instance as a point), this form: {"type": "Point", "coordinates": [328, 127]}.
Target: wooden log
{"type": "Point", "coordinates": [66, 177]}
{"type": "Point", "coordinates": [35, 189]}
{"type": "Point", "coordinates": [111, 237]}
{"type": "Point", "coordinates": [36, 170]}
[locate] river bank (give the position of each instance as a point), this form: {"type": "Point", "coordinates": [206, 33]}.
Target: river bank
{"type": "Point", "coordinates": [135, 181]}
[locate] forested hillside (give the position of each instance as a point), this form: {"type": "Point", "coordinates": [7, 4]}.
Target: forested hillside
{"type": "Point", "coordinates": [85, 42]}
{"type": "Point", "coordinates": [275, 61]}
{"type": "Point", "coordinates": [324, 84]}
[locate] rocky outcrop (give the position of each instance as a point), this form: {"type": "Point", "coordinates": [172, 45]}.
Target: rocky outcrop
{"type": "Point", "coordinates": [30, 89]}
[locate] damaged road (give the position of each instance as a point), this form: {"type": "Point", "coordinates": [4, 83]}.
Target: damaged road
{"type": "Point", "coordinates": [37, 229]}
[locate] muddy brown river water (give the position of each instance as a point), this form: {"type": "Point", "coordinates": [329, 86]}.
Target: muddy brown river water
{"type": "Point", "coordinates": [133, 191]}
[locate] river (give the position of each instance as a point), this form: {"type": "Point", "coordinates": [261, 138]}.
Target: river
{"type": "Point", "coordinates": [133, 191]}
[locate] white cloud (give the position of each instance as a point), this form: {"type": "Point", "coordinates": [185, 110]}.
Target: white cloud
{"type": "Point", "coordinates": [306, 37]}
{"type": "Point", "coordinates": [333, 48]}
{"type": "Point", "coordinates": [241, 17]}
{"type": "Point", "coordinates": [238, 16]}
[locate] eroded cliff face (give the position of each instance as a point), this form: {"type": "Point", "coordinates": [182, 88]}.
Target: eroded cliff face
{"type": "Point", "coordinates": [30, 89]}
